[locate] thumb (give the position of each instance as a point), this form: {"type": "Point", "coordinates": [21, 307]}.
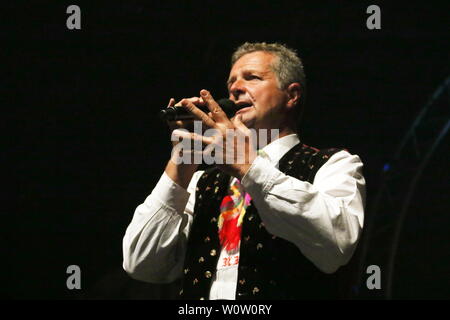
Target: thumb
{"type": "Point", "coordinates": [237, 121]}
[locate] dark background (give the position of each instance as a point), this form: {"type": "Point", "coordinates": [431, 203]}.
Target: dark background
{"type": "Point", "coordinates": [87, 147]}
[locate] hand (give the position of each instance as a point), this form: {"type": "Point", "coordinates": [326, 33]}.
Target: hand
{"type": "Point", "coordinates": [181, 173]}
{"type": "Point", "coordinates": [232, 143]}
{"type": "Point", "coordinates": [183, 124]}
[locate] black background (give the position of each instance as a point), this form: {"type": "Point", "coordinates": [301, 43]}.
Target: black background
{"type": "Point", "coordinates": [87, 147]}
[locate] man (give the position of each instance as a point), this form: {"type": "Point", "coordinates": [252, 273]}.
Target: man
{"type": "Point", "coordinates": [276, 225]}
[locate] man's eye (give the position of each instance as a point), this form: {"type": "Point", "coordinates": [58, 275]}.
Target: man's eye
{"type": "Point", "coordinates": [253, 77]}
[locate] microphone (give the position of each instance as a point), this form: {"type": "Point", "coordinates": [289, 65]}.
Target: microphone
{"type": "Point", "coordinates": [180, 113]}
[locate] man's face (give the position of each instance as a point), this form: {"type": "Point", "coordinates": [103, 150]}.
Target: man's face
{"type": "Point", "coordinates": [252, 82]}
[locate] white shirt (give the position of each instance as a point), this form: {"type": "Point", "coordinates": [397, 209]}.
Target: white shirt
{"type": "Point", "coordinates": [323, 219]}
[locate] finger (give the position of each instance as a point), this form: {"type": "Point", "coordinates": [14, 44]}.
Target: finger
{"type": "Point", "coordinates": [217, 113]}
{"type": "Point", "coordinates": [198, 101]}
{"type": "Point", "coordinates": [199, 114]}
{"type": "Point", "coordinates": [250, 138]}
{"type": "Point", "coordinates": [171, 102]}
{"type": "Point", "coordinates": [192, 136]}
{"type": "Point", "coordinates": [237, 122]}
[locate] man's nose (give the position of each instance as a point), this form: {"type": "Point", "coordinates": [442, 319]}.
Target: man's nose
{"type": "Point", "coordinates": [236, 89]}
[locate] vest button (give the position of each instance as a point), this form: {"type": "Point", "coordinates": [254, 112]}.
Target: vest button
{"type": "Point", "coordinates": [259, 246]}
{"type": "Point", "coordinates": [213, 252]}
{"type": "Point", "coordinates": [208, 274]}
{"type": "Point", "coordinates": [201, 259]}
{"type": "Point", "coordinates": [207, 239]}
{"type": "Point", "coordinates": [195, 281]}
{"type": "Point", "coordinates": [202, 298]}
{"type": "Point", "coordinates": [242, 281]}
{"type": "Point", "coordinates": [255, 290]}
{"type": "Point", "coordinates": [186, 271]}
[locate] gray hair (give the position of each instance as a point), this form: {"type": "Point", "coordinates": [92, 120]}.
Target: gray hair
{"type": "Point", "coordinates": [288, 68]}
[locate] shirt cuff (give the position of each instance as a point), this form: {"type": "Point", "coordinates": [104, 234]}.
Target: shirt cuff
{"type": "Point", "coordinates": [260, 176]}
{"type": "Point", "coordinates": [170, 194]}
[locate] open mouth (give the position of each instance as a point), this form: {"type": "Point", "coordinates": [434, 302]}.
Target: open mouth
{"type": "Point", "coordinates": [243, 107]}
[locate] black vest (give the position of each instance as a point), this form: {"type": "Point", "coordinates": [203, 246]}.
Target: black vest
{"type": "Point", "coordinates": [269, 267]}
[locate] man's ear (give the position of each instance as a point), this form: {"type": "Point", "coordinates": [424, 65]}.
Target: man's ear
{"type": "Point", "coordinates": [294, 92]}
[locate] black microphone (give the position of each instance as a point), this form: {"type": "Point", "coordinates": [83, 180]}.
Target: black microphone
{"type": "Point", "coordinates": [180, 113]}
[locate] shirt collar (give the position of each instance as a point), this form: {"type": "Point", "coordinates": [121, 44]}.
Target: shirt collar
{"type": "Point", "coordinates": [275, 150]}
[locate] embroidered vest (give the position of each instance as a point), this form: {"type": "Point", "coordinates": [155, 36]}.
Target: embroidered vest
{"type": "Point", "coordinates": [269, 267]}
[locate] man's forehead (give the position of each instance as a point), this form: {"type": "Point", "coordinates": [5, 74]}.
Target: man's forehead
{"type": "Point", "coordinates": [258, 61]}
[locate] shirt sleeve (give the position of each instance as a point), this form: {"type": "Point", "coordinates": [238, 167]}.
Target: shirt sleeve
{"type": "Point", "coordinates": [323, 219]}
{"type": "Point", "coordinates": [154, 244]}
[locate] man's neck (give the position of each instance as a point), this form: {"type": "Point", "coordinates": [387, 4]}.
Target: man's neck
{"type": "Point", "coordinates": [272, 135]}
